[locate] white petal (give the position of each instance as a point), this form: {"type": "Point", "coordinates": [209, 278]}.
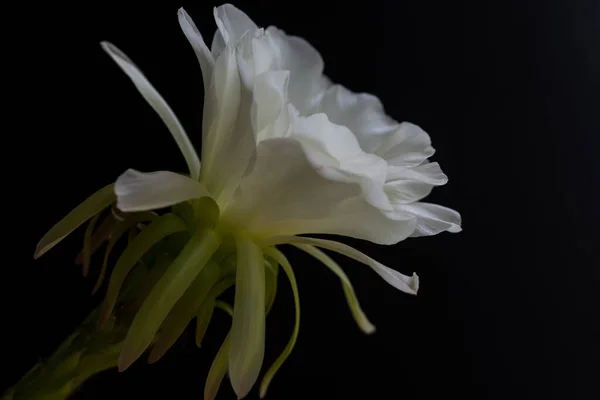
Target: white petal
{"type": "Point", "coordinates": [256, 55]}
{"type": "Point", "coordinates": [402, 144]}
{"type": "Point", "coordinates": [407, 185]}
{"type": "Point", "coordinates": [284, 195]}
{"type": "Point", "coordinates": [362, 113]}
{"type": "Point", "coordinates": [203, 54]}
{"type": "Point", "coordinates": [139, 191]}
{"type": "Point", "coordinates": [284, 185]}
{"type": "Point", "coordinates": [353, 218]}
{"type": "Point", "coordinates": [433, 219]}
{"type": "Point", "coordinates": [270, 115]}
{"type": "Point", "coordinates": [307, 83]}
{"type": "Point", "coordinates": [408, 146]}
{"type": "Point", "coordinates": [407, 284]}
{"type": "Point", "coordinates": [227, 131]}
{"type": "Point", "coordinates": [158, 104]}
{"type": "Point", "coordinates": [220, 110]}
{"type": "Point", "coordinates": [233, 23]}
{"type": "Point", "coordinates": [218, 45]}
{"type": "Point", "coordinates": [335, 152]}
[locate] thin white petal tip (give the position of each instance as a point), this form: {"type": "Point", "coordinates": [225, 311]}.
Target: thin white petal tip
{"type": "Point", "coordinates": [370, 329]}
{"type": "Point", "coordinates": [107, 46]}
{"type": "Point", "coordinates": [414, 283]}
{"type": "Point", "coordinates": [182, 13]}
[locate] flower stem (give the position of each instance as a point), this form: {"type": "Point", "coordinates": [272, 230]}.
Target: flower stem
{"type": "Point", "coordinates": [87, 352]}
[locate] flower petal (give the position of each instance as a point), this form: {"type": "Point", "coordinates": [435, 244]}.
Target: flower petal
{"type": "Point", "coordinates": [270, 115]}
{"type": "Point", "coordinates": [284, 185]}
{"type": "Point", "coordinates": [307, 83]}
{"type": "Point", "coordinates": [407, 284]}
{"type": "Point", "coordinates": [403, 144]}
{"type": "Point", "coordinates": [335, 152]}
{"type": "Point", "coordinates": [355, 219]}
{"type": "Point", "coordinates": [284, 195]}
{"type": "Point", "coordinates": [413, 184]}
{"type": "Point", "coordinates": [228, 140]}
{"type": "Point", "coordinates": [408, 145]}
{"type": "Point", "coordinates": [362, 113]}
{"type": "Point", "coordinates": [256, 55]}
{"type": "Point", "coordinates": [247, 347]}
{"type": "Point", "coordinates": [233, 23]}
{"type": "Point", "coordinates": [159, 105]}
{"type": "Point", "coordinates": [140, 191]}
{"type": "Point", "coordinates": [433, 219]}
{"type": "Point", "coordinates": [205, 58]}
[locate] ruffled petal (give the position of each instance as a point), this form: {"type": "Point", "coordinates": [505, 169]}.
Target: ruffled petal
{"type": "Point", "coordinates": [362, 113]}
{"type": "Point", "coordinates": [403, 144]}
{"type": "Point", "coordinates": [336, 154]}
{"type": "Point", "coordinates": [354, 218]}
{"type": "Point", "coordinates": [139, 191]}
{"type": "Point", "coordinates": [407, 185]}
{"type": "Point", "coordinates": [307, 83]}
{"type": "Point", "coordinates": [284, 195]}
{"type": "Point", "coordinates": [433, 219]}
{"type": "Point", "coordinates": [158, 104]}
{"type": "Point", "coordinates": [407, 146]}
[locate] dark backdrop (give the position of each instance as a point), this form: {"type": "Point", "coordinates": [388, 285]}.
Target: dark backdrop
{"type": "Point", "coordinates": [510, 94]}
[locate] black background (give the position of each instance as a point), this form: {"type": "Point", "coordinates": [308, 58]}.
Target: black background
{"type": "Point", "coordinates": [509, 92]}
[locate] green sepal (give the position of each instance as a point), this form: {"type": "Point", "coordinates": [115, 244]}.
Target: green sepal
{"type": "Point", "coordinates": [359, 316]}
{"type": "Point", "coordinates": [218, 369]}
{"type": "Point", "coordinates": [100, 235]}
{"type": "Point", "coordinates": [281, 259]}
{"type": "Point", "coordinates": [165, 294]}
{"type": "Point", "coordinates": [203, 317]}
{"type": "Point", "coordinates": [87, 244]}
{"type": "Point", "coordinates": [247, 346]}
{"type": "Point", "coordinates": [115, 235]}
{"type": "Point", "coordinates": [205, 310]}
{"type": "Point", "coordinates": [184, 311]}
{"type": "Point", "coordinates": [155, 232]}
{"type": "Point", "coordinates": [271, 275]}
{"type": "Point", "coordinates": [84, 211]}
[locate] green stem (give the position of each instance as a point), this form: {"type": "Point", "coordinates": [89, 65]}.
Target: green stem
{"type": "Point", "coordinates": [87, 352]}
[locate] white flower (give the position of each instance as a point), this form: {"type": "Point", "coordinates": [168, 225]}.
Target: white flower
{"type": "Point", "coordinates": [285, 152]}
